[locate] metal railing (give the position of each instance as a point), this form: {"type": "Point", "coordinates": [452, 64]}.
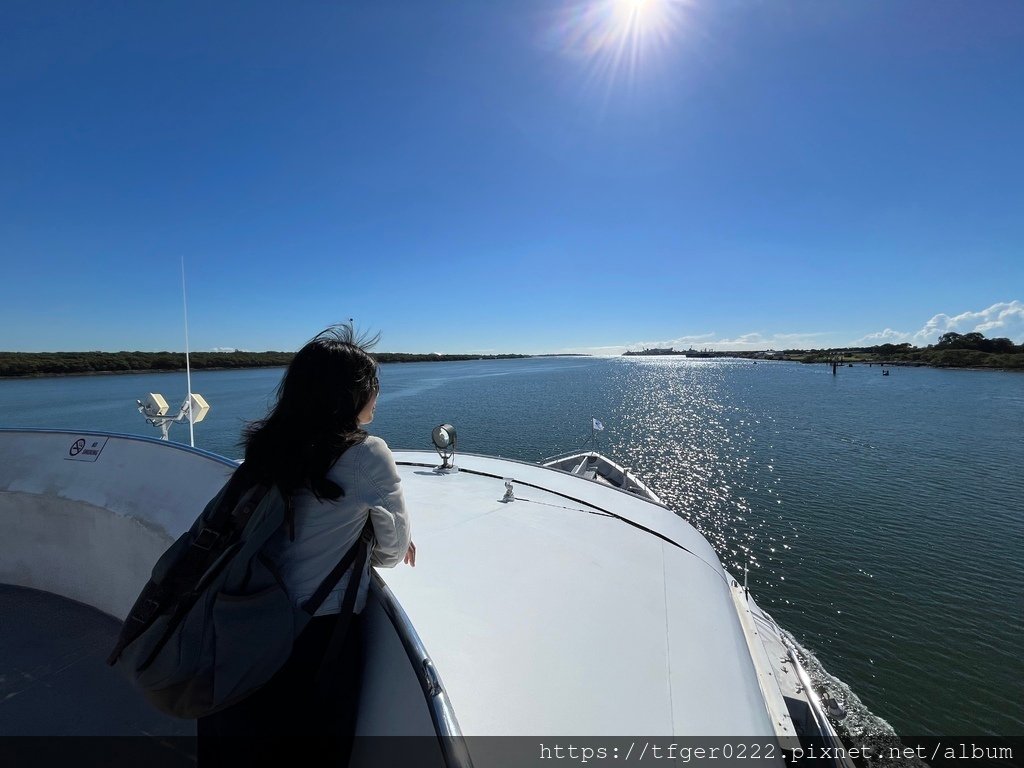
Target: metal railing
{"type": "Point", "coordinates": [453, 746]}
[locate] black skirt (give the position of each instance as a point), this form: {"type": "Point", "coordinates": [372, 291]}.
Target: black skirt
{"type": "Point", "coordinates": [292, 719]}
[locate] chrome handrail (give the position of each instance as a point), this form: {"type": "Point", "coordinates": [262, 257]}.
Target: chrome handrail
{"type": "Point", "coordinates": [828, 733]}
{"type": "Point", "coordinates": [567, 454]}
{"type": "Point", "coordinates": [453, 745]}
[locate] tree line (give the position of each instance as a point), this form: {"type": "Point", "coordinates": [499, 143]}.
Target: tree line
{"type": "Point", "coordinates": [19, 364]}
{"type": "Point", "coordinates": [952, 350]}
{"type": "Point", "coordinates": [977, 341]}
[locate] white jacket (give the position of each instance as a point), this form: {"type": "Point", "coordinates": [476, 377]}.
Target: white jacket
{"type": "Point", "coordinates": [325, 530]}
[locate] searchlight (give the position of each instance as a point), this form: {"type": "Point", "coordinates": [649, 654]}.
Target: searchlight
{"type": "Point", "coordinates": [444, 438]}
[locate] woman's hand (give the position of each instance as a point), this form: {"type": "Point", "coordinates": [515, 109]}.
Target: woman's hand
{"type": "Point", "coordinates": [410, 556]}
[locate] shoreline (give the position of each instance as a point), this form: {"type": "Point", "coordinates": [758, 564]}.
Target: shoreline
{"type": "Point", "coordinates": [749, 357]}
{"type": "Point", "coordinates": [128, 373]}
{"type": "Point", "coordinates": [845, 364]}
{"type": "Point", "coordinates": [890, 364]}
{"type": "Point", "coordinates": [413, 360]}
{"type": "Point", "coordinates": [913, 364]}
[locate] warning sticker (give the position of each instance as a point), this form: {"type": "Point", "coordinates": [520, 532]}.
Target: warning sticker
{"type": "Point", "coordinates": [86, 448]}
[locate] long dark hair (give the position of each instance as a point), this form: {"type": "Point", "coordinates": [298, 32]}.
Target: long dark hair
{"type": "Point", "coordinates": [327, 384]}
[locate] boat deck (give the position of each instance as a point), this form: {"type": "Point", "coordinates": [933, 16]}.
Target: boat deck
{"type": "Point", "coordinates": [574, 608]}
{"type": "Point", "coordinates": [55, 682]}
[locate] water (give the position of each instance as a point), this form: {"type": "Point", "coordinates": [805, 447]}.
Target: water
{"type": "Point", "coordinates": [881, 517]}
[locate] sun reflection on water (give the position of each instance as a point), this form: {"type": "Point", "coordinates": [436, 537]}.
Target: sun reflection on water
{"type": "Point", "coordinates": [681, 427]}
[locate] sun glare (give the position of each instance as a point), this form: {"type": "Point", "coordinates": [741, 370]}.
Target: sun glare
{"type": "Point", "coordinates": [638, 11]}
{"type": "Point", "coordinates": [617, 35]}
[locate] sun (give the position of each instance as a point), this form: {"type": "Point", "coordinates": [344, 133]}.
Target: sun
{"type": "Point", "coordinates": [617, 35]}
{"type": "Point", "coordinates": [643, 20]}
{"type": "Point", "coordinates": [638, 10]}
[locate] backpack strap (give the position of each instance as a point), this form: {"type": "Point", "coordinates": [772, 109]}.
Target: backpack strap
{"type": "Point", "coordinates": [312, 605]}
{"type": "Point", "coordinates": [327, 671]}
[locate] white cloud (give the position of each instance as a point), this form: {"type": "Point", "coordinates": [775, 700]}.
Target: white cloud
{"type": "Point", "coordinates": [1005, 318]}
{"type": "Point", "coordinates": [759, 341]}
{"type": "Point", "coordinates": [228, 349]}
{"type": "Point", "coordinates": [888, 336]}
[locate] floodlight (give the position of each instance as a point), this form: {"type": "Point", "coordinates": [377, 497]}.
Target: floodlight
{"type": "Point", "coordinates": [194, 408]}
{"type": "Point", "coordinates": [444, 438]}
{"type": "Point", "coordinates": [197, 408]}
{"type": "Point", "coordinates": [154, 405]}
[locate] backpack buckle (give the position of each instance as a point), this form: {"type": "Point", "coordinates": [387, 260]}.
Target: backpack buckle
{"type": "Point", "coordinates": [207, 543]}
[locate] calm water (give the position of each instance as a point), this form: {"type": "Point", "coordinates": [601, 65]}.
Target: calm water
{"type": "Point", "coordinates": [882, 517]}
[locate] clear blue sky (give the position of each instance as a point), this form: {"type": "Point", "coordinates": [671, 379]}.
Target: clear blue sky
{"type": "Point", "coordinates": [510, 176]}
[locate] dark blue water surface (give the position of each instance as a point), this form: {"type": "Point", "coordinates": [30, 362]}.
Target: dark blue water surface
{"type": "Point", "coordinates": [882, 517]}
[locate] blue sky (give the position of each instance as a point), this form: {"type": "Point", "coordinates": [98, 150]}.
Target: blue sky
{"type": "Point", "coordinates": [510, 177]}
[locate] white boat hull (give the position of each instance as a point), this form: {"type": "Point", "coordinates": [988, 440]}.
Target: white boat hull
{"type": "Point", "coordinates": [574, 608]}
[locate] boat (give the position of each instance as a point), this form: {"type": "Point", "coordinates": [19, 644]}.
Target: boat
{"type": "Point", "coordinates": [549, 599]}
{"type": "Point", "coordinates": [601, 469]}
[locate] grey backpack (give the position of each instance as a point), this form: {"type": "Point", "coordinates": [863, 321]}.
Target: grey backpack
{"type": "Point", "coordinates": [214, 623]}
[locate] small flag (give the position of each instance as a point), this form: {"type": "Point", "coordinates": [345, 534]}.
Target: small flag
{"type": "Point", "coordinates": [598, 425]}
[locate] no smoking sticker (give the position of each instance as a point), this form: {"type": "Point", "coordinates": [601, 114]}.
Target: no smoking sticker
{"type": "Point", "coordinates": [86, 448]}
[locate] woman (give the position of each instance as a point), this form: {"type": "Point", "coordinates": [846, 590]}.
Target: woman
{"type": "Point", "coordinates": [313, 447]}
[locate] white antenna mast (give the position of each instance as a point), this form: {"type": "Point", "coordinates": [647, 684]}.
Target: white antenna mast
{"type": "Point", "coordinates": [188, 367]}
{"type": "Point", "coordinates": [195, 408]}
